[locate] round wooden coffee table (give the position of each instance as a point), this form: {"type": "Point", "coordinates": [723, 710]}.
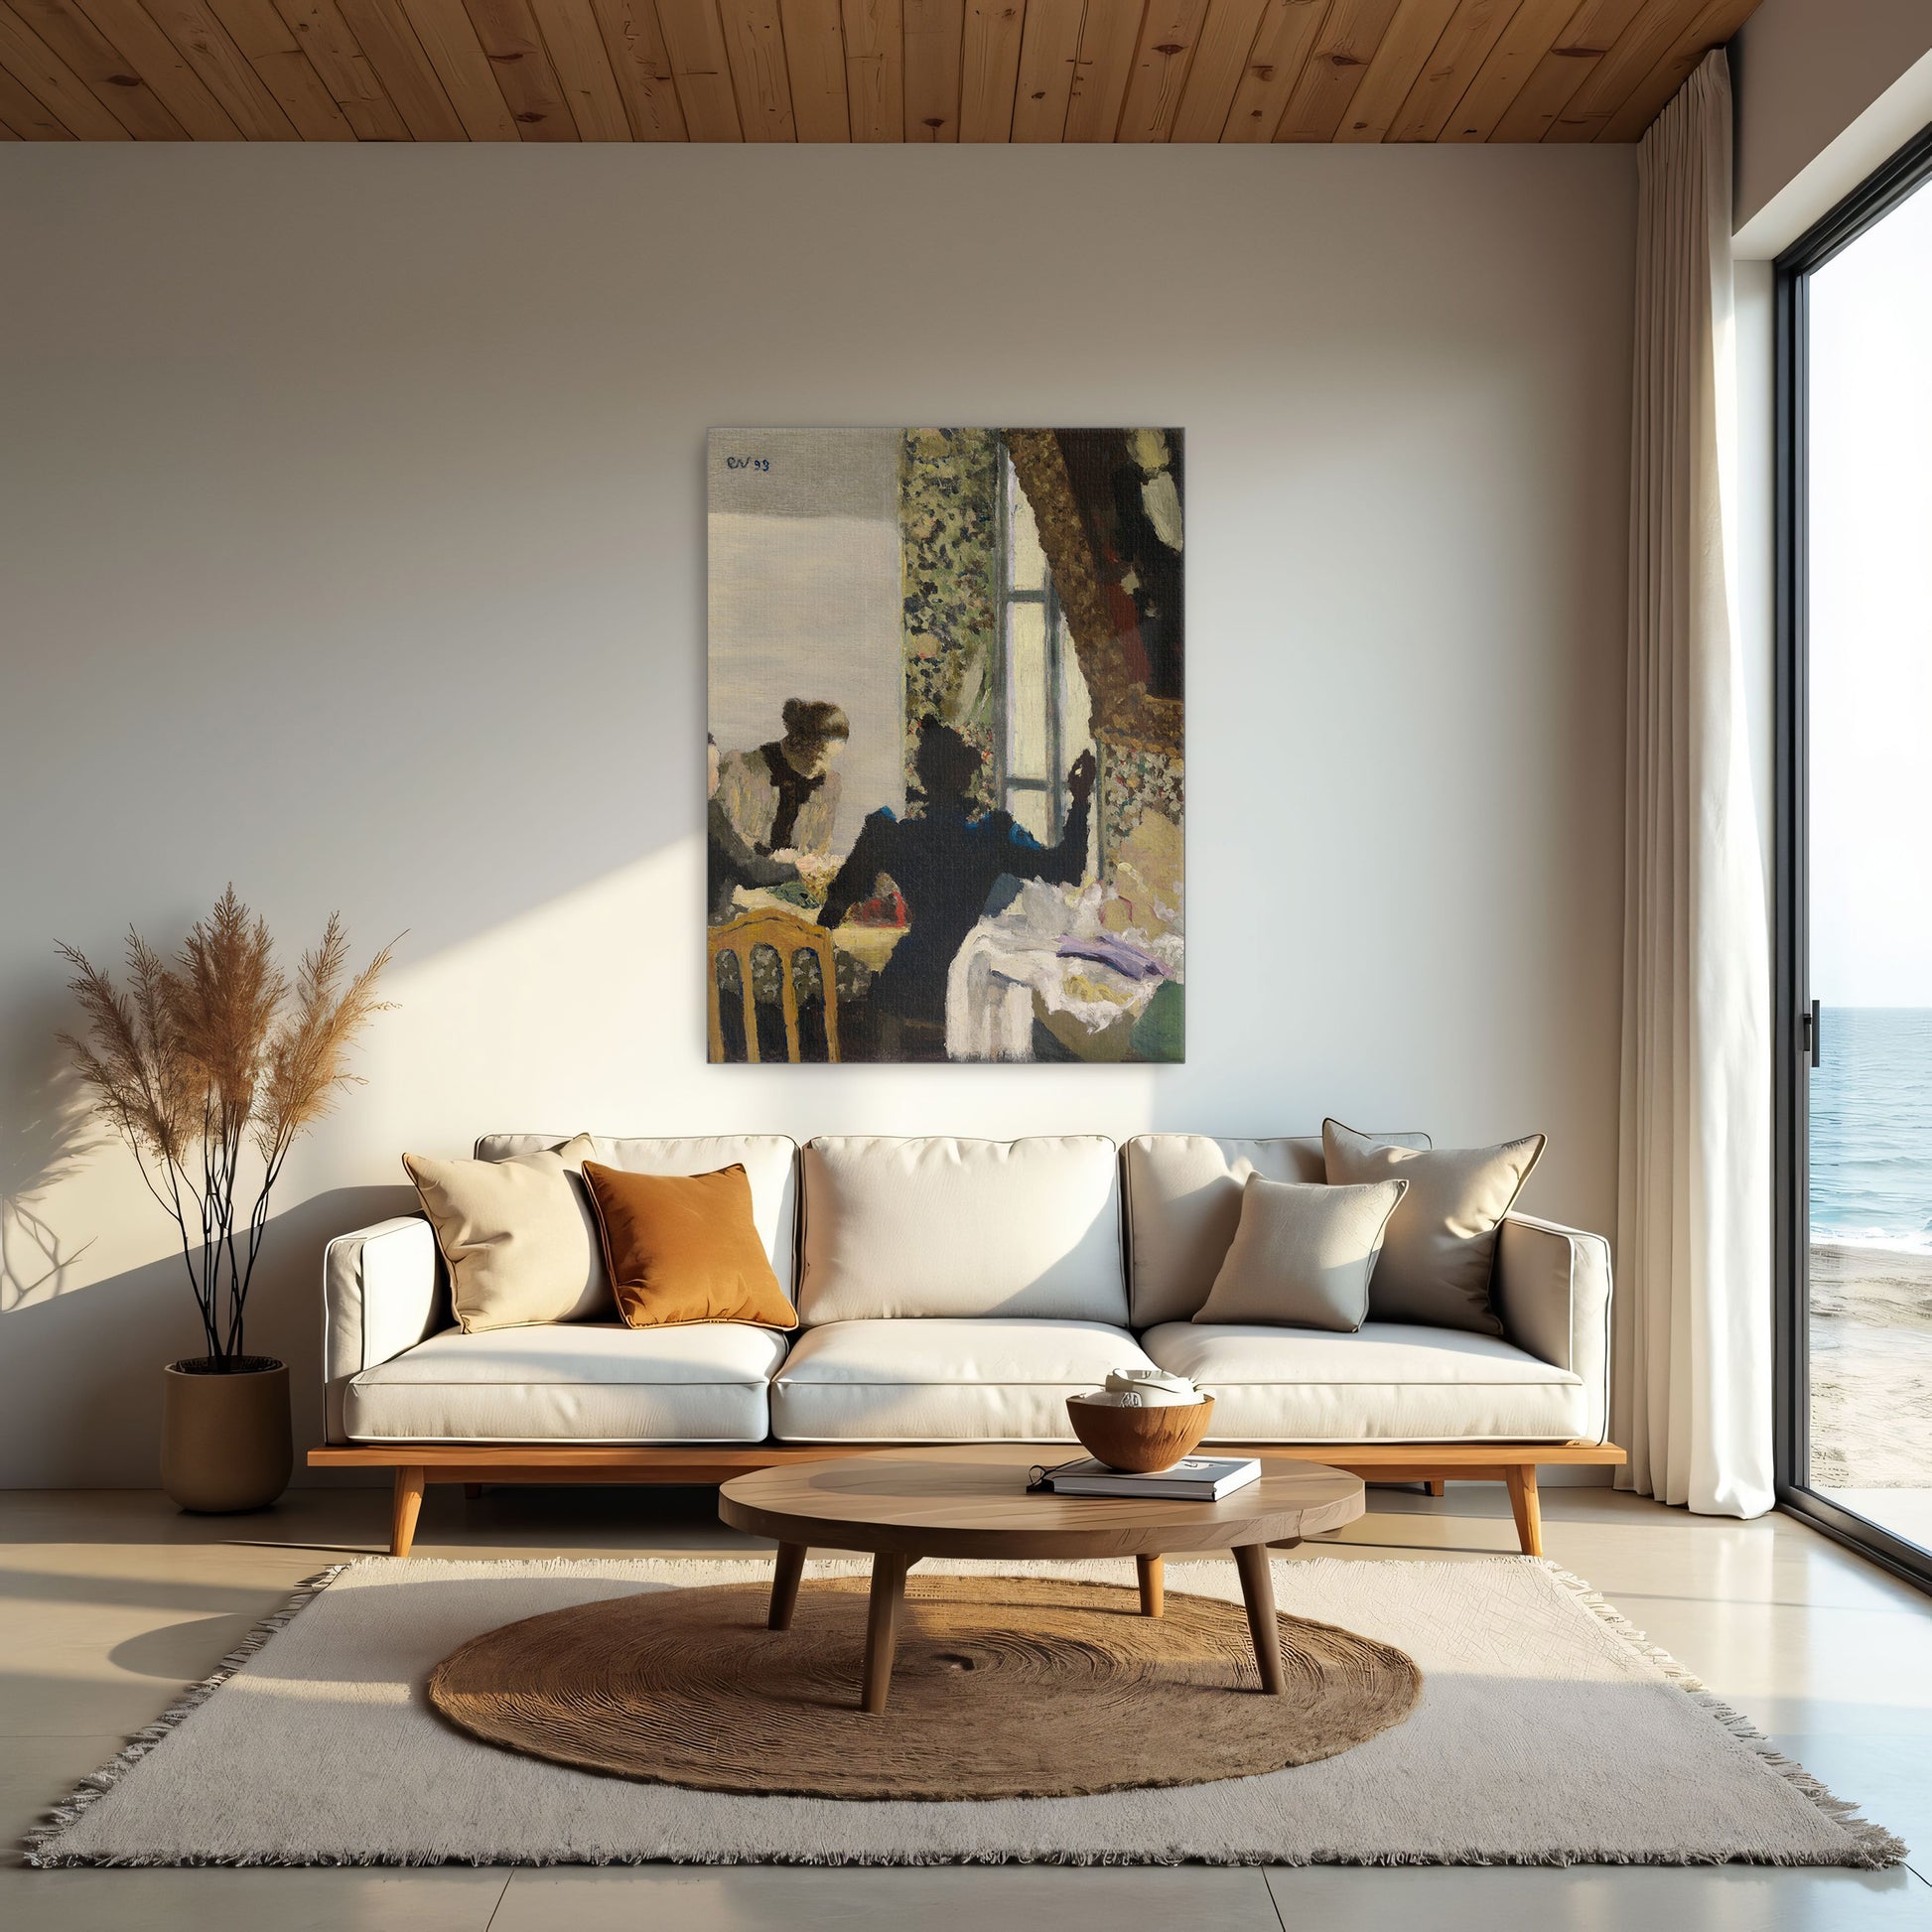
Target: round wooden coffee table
{"type": "Point", "coordinates": [971, 1501]}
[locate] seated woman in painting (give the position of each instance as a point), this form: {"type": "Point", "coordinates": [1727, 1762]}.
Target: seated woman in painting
{"type": "Point", "coordinates": [946, 859]}
{"type": "Point", "coordinates": [784, 795]}
{"type": "Point", "coordinates": [728, 862]}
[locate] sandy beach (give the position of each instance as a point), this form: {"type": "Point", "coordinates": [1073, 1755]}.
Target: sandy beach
{"type": "Point", "coordinates": [1871, 1368]}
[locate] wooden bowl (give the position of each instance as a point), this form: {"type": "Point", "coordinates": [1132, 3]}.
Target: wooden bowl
{"type": "Point", "coordinates": [1143, 1440]}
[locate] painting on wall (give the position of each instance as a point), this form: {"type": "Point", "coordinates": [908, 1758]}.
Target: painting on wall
{"type": "Point", "coordinates": [945, 758]}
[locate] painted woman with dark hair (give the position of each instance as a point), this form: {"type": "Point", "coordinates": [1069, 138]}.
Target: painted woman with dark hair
{"type": "Point", "coordinates": [784, 795]}
{"type": "Point", "coordinates": [946, 859]}
{"type": "Point", "coordinates": [728, 862]}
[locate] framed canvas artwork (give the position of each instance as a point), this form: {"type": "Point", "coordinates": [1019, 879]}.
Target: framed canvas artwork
{"type": "Point", "coordinates": [945, 759]}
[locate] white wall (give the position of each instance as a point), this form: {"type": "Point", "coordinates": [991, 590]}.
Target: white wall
{"type": "Point", "coordinates": [352, 536]}
{"type": "Point", "coordinates": [1826, 91]}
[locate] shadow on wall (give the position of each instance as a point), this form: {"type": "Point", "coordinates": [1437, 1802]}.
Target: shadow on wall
{"type": "Point", "coordinates": [91, 1416]}
{"type": "Point", "coordinates": [46, 1137]}
{"type": "Point", "coordinates": [586, 1013]}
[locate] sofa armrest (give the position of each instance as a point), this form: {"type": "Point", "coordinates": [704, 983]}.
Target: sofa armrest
{"type": "Point", "coordinates": [1552, 1287]}
{"type": "Point", "coordinates": [380, 1294]}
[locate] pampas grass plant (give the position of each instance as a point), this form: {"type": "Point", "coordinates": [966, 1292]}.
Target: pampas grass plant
{"type": "Point", "coordinates": [210, 1066]}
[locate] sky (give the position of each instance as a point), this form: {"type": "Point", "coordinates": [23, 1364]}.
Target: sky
{"type": "Point", "coordinates": [1870, 630]}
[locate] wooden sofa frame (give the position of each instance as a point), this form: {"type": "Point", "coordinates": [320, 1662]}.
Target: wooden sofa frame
{"type": "Point", "coordinates": [418, 1464]}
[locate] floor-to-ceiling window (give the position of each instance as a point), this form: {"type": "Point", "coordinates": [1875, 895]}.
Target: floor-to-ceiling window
{"type": "Point", "coordinates": [1856, 360]}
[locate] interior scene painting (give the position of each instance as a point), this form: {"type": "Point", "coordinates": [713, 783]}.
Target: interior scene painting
{"type": "Point", "coordinates": [945, 758]}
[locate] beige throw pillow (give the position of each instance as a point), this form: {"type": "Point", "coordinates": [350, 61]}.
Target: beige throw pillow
{"type": "Point", "coordinates": [519, 1235]}
{"type": "Point", "coordinates": [1441, 1246]}
{"type": "Point", "coordinates": [1303, 1254]}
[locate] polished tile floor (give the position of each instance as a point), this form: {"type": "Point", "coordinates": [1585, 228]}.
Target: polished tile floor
{"type": "Point", "coordinates": [110, 1602]}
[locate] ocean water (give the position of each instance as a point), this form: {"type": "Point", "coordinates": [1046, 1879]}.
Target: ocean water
{"type": "Point", "coordinates": [1871, 1128]}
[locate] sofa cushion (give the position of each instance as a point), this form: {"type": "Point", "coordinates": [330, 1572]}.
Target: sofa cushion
{"type": "Point", "coordinates": [1302, 1255]}
{"type": "Point", "coordinates": [943, 1381]}
{"type": "Point", "coordinates": [1020, 1229]}
{"type": "Point", "coordinates": [1183, 1204]}
{"type": "Point", "coordinates": [517, 1237]}
{"type": "Point", "coordinates": [770, 1161]}
{"type": "Point", "coordinates": [581, 1382]}
{"type": "Point", "coordinates": [1390, 1381]}
{"type": "Point", "coordinates": [1440, 1250]}
{"type": "Point", "coordinates": [683, 1247]}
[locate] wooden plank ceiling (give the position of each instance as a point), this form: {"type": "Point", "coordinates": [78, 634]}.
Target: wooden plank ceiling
{"type": "Point", "coordinates": [848, 69]}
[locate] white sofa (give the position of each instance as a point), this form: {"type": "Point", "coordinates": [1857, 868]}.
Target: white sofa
{"type": "Point", "coordinates": [953, 1290]}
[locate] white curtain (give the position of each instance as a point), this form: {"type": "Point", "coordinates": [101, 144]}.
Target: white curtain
{"type": "Point", "coordinates": [1691, 1391]}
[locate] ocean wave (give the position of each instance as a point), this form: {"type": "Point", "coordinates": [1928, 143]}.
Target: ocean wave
{"type": "Point", "coordinates": [1871, 1143]}
{"type": "Point", "coordinates": [1889, 1240]}
{"type": "Point", "coordinates": [1871, 1155]}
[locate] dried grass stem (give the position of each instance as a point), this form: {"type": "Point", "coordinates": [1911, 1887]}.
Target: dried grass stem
{"type": "Point", "coordinates": [203, 1061]}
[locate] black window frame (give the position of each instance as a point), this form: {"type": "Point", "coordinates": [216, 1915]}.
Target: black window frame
{"type": "Point", "coordinates": [1908, 171]}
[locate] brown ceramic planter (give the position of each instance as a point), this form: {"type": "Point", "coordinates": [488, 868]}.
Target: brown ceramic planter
{"type": "Point", "coordinates": [226, 1440]}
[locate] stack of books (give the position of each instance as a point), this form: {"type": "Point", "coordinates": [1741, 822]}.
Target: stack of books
{"type": "Point", "coordinates": [1194, 1479]}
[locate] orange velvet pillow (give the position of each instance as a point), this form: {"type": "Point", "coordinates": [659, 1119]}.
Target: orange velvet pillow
{"type": "Point", "coordinates": [684, 1248]}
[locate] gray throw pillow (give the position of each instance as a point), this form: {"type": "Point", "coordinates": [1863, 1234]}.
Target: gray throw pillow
{"type": "Point", "coordinates": [1303, 1254]}
{"type": "Point", "coordinates": [1440, 1247]}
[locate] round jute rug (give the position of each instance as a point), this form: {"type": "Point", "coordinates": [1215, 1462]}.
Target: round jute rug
{"type": "Point", "coordinates": [1004, 1687]}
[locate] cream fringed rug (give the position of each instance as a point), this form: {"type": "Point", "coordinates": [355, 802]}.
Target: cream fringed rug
{"type": "Point", "coordinates": [1546, 1732]}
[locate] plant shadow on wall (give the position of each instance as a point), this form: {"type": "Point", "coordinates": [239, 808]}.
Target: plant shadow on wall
{"type": "Point", "coordinates": [88, 1411]}
{"type": "Point", "coordinates": [43, 1143]}
{"type": "Point", "coordinates": [210, 1067]}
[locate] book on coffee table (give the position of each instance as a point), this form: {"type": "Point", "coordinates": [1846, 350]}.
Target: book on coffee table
{"type": "Point", "coordinates": [1194, 1479]}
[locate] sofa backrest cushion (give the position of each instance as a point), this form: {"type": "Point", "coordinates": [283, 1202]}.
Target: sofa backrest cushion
{"type": "Point", "coordinates": [1183, 1204]}
{"type": "Point", "coordinates": [769, 1161]}
{"type": "Point", "coordinates": [1024, 1229]}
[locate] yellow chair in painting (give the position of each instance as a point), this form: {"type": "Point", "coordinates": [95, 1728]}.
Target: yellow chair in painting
{"type": "Point", "coordinates": [787, 936]}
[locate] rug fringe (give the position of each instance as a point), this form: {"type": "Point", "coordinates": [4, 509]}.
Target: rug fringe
{"type": "Point", "coordinates": [1876, 1846]}
{"type": "Point", "coordinates": [1561, 1859]}
{"type": "Point", "coordinates": [1873, 1845]}
{"type": "Point", "coordinates": [96, 1784]}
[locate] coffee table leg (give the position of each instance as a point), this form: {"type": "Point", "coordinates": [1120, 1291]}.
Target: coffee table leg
{"type": "Point", "coordinates": [1153, 1585]}
{"type": "Point", "coordinates": [785, 1585]}
{"type": "Point", "coordinates": [1258, 1592]}
{"type": "Point", "coordinates": [882, 1629]}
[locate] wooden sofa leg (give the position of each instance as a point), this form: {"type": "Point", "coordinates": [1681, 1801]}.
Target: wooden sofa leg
{"type": "Point", "coordinates": [409, 1505]}
{"type": "Point", "coordinates": [1523, 1505]}
{"type": "Point", "coordinates": [1437, 1486]}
